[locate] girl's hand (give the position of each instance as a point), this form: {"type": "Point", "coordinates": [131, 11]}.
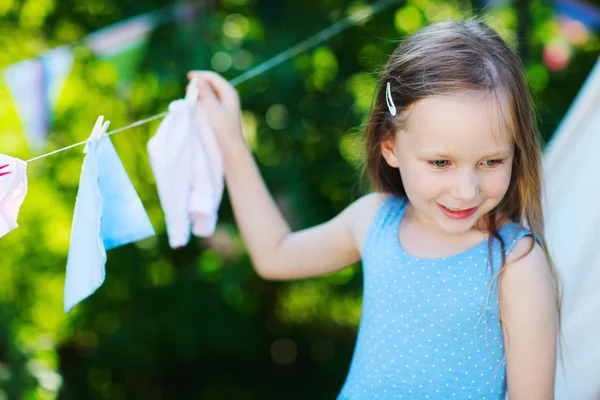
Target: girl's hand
{"type": "Point", "coordinates": [222, 106]}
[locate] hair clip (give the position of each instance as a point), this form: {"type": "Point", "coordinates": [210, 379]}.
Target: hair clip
{"type": "Point", "coordinates": [389, 101]}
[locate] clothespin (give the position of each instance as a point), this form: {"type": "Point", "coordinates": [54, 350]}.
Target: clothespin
{"type": "Point", "coordinates": [191, 97]}
{"type": "Point", "coordinates": [99, 131]}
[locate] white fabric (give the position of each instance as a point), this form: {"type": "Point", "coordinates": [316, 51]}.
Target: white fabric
{"type": "Point", "coordinates": [572, 215]}
{"type": "Point", "coordinates": [187, 166]}
{"type": "Point", "coordinates": [13, 189]}
{"type": "Point", "coordinates": [108, 214]}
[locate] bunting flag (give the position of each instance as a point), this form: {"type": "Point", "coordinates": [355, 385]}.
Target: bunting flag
{"type": "Point", "coordinates": [25, 83]}
{"type": "Point", "coordinates": [35, 84]}
{"type": "Point", "coordinates": [56, 67]}
{"type": "Point", "coordinates": [582, 11]}
{"type": "Point", "coordinates": [35, 87]}
{"type": "Point", "coordinates": [576, 21]}
{"type": "Point", "coordinates": [124, 44]}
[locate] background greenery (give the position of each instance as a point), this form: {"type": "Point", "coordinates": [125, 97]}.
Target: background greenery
{"type": "Point", "coordinates": [197, 322]}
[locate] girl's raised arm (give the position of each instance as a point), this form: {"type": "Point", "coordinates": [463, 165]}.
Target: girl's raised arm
{"type": "Point", "coordinates": [276, 252]}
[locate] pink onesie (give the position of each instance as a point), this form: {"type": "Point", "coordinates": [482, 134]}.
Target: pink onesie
{"type": "Point", "coordinates": [187, 166]}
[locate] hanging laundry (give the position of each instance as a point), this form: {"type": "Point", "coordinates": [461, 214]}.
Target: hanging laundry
{"type": "Point", "coordinates": [572, 227]}
{"type": "Point", "coordinates": [108, 213]}
{"type": "Point", "coordinates": [188, 170]}
{"type": "Point", "coordinates": [13, 188]}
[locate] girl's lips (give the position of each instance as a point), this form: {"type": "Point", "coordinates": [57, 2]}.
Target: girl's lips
{"type": "Point", "coordinates": [461, 214]}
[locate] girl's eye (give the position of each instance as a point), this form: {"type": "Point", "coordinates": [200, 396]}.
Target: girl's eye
{"type": "Point", "coordinates": [492, 163]}
{"type": "Point", "coordinates": [439, 163]}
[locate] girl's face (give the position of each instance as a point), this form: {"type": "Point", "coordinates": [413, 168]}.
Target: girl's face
{"type": "Point", "coordinates": [455, 158]}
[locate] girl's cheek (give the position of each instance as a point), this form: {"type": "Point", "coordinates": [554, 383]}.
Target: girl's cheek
{"type": "Point", "coordinates": [497, 185]}
{"type": "Point", "coordinates": [414, 174]}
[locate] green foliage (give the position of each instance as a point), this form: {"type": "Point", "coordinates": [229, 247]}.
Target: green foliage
{"type": "Point", "coordinates": [197, 322]}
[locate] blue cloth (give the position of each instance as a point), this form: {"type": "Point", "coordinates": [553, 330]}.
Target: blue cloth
{"type": "Point", "coordinates": [426, 331]}
{"type": "Point", "coordinates": [108, 213]}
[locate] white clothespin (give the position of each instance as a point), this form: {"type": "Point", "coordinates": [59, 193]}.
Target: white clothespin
{"type": "Point", "coordinates": [191, 97]}
{"type": "Point", "coordinates": [99, 131]}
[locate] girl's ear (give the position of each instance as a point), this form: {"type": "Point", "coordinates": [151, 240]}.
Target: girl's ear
{"type": "Point", "coordinates": [389, 152]}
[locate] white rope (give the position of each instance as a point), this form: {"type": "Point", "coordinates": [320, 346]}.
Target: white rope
{"type": "Point", "coordinates": [321, 36]}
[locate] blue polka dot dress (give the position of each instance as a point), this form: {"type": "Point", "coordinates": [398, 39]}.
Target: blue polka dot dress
{"type": "Point", "coordinates": [426, 330]}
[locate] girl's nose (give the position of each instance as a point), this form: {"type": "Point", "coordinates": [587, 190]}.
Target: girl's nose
{"type": "Point", "coordinates": [466, 188]}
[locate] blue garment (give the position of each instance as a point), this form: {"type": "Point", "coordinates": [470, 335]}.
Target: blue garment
{"type": "Point", "coordinates": [108, 213]}
{"type": "Point", "coordinates": [423, 333]}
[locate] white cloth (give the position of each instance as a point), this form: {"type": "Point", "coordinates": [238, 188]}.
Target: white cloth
{"type": "Point", "coordinates": [108, 214]}
{"type": "Point", "coordinates": [187, 166]}
{"type": "Point", "coordinates": [572, 226]}
{"type": "Point", "coordinates": [13, 188]}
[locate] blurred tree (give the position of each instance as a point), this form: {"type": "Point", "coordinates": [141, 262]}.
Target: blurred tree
{"type": "Point", "coordinates": [524, 20]}
{"type": "Point", "coordinates": [197, 322]}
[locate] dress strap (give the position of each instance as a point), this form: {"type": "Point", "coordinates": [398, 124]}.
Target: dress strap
{"type": "Point", "coordinates": [386, 221]}
{"type": "Point", "coordinates": [510, 235]}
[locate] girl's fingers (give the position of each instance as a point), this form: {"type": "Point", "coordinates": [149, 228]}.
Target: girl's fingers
{"type": "Point", "coordinates": [208, 96]}
{"type": "Point", "coordinates": [223, 90]}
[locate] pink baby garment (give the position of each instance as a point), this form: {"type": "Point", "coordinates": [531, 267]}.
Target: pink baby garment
{"type": "Point", "coordinates": [187, 166]}
{"type": "Point", "coordinates": [13, 188]}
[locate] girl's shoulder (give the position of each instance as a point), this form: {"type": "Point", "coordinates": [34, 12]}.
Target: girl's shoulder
{"type": "Point", "coordinates": [523, 244]}
{"type": "Point", "coordinates": [362, 212]}
{"type": "Point", "coordinates": [519, 239]}
{"type": "Point", "coordinates": [364, 208]}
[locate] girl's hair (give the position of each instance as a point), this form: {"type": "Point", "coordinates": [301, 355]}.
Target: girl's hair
{"type": "Point", "coordinates": [451, 57]}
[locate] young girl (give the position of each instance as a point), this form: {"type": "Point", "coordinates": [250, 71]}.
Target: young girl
{"type": "Point", "coordinates": [459, 300]}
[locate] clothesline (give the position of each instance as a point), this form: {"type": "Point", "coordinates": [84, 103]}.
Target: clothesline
{"type": "Point", "coordinates": [319, 37]}
{"type": "Point", "coordinates": [133, 125]}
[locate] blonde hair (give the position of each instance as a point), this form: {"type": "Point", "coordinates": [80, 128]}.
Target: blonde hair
{"type": "Point", "coordinates": [457, 56]}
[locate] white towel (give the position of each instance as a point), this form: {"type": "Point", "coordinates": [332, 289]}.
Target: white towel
{"type": "Point", "coordinates": [187, 166]}
{"type": "Point", "coordinates": [572, 226]}
{"type": "Point", "coordinates": [108, 214]}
